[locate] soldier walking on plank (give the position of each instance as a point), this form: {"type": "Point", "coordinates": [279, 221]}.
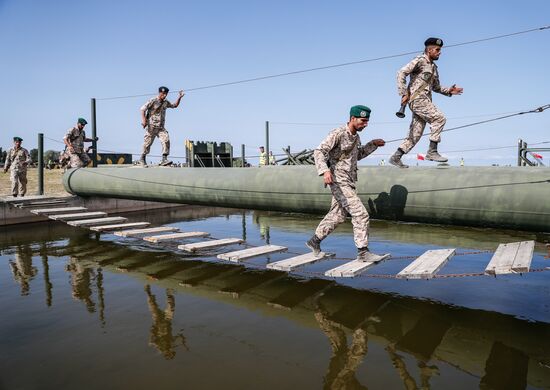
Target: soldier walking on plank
{"type": "Point", "coordinates": [17, 160]}
{"type": "Point", "coordinates": [424, 78]}
{"type": "Point", "coordinates": [74, 139]}
{"type": "Point", "coordinates": [153, 114]}
{"type": "Point", "coordinates": [336, 160]}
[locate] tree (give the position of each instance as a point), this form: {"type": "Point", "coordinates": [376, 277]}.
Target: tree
{"type": "Point", "coordinates": [51, 155]}
{"type": "Point", "coordinates": [34, 155]}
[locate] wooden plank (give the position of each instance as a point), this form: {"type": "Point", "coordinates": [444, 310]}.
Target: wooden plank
{"type": "Point", "coordinates": [97, 221]}
{"type": "Point", "coordinates": [77, 216]}
{"type": "Point", "coordinates": [251, 252]}
{"type": "Point", "coordinates": [175, 236]}
{"type": "Point", "coordinates": [58, 210]}
{"type": "Point", "coordinates": [522, 262]}
{"type": "Point", "coordinates": [31, 198]}
{"type": "Point", "coordinates": [427, 265]}
{"type": "Point", "coordinates": [119, 226]}
{"type": "Point", "coordinates": [209, 244]}
{"type": "Point", "coordinates": [511, 258]}
{"type": "Point", "coordinates": [41, 204]}
{"type": "Point", "coordinates": [297, 261]}
{"type": "Point", "coordinates": [143, 232]}
{"type": "Point", "coordinates": [356, 267]}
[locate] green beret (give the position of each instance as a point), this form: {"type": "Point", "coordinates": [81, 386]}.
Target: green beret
{"type": "Point", "coordinates": [164, 89]}
{"type": "Point", "coordinates": [433, 42]}
{"type": "Point", "coordinates": [18, 139]}
{"type": "Point", "coordinates": [360, 112]}
{"type": "Point", "coordinates": [82, 121]}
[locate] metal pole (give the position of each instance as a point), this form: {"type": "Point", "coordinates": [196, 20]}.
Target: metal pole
{"type": "Point", "coordinates": [524, 153]}
{"type": "Point", "coordinates": [94, 135]}
{"type": "Point", "coordinates": [242, 155]}
{"type": "Point", "coordinates": [520, 142]}
{"type": "Point", "coordinates": [267, 141]}
{"type": "Point", "coordinates": [40, 164]}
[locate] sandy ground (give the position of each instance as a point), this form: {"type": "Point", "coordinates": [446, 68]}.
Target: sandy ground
{"type": "Point", "coordinates": [52, 182]}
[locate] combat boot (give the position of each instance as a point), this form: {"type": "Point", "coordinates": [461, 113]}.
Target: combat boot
{"type": "Point", "coordinates": [314, 244]}
{"type": "Point", "coordinates": [165, 162]}
{"type": "Point", "coordinates": [142, 161]}
{"type": "Point", "coordinates": [396, 159]}
{"type": "Point", "coordinates": [364, 255]}
{"type": "Point", "coordinates": [433, 155]}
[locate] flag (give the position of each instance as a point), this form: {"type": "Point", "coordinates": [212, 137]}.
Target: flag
{"type": "Point", "coordinates": [420, 156]}
{"type": "Point", "coordinates": [537, 155]}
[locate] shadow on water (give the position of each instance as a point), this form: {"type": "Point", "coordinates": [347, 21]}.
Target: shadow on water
{"type": "Point", "coordinates": [421, 343]}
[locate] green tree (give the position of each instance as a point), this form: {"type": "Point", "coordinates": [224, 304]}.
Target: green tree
{"type": "Point", "coordinates": [34, 155]}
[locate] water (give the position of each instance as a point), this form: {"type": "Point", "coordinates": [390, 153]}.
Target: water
{"type": "Point", "coordinates": [83, 311]}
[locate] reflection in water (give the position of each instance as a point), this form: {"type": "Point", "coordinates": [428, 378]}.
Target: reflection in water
{"type": "Point", "coordinates": [22, 269]}
{"type": "Point", "coordinates": [46, 271]}
{"type": "Point", "coordinates": [345, 360]}
{"type": "Point", "coordinates": [426, 372]}
{"type": "Point", "coordinates": [80, 282]}
{"type": "Point", "coordinates": [161, 330]}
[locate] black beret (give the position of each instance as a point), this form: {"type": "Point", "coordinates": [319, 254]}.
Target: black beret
{"type": "Point", "coordinates": [433, 41]}
{"type": "Point", "coordinates": [163, 89]}
{"type": "Point", "coordinates": [18, 139]}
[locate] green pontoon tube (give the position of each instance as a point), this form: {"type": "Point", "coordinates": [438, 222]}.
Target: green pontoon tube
{"type": "Point", "coordinates": [502, 197]}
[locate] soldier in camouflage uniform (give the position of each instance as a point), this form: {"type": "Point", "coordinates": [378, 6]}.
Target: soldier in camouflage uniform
{"type": "Point", "coordinates": [153, 115]}
{"type": "Point", "coordinates": [424, 78]}
{"type": "Point", "coordinates": [17, 160]}
{"type": "Point", "coordinates": [336, 160]}
{"type": "Point", "coordinates": [74, 140]}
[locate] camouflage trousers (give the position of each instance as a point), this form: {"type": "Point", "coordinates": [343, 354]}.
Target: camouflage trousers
{"type": "Point", "coordinates": [346, 201]}
{"type": "Point", "coordinates": [424, 111]}
{"type": "Point", "coordinates": [18, 182]}
{"type": "Point", "coordinates": [149, 137]}
{"type": "Point", "coordinates": [78, 160]}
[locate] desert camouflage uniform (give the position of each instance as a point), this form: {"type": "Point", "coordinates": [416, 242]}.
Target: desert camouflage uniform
{"type": "Point", "coordinates": [424, 79]}
{"type": "Point", "coordinates": [342, 150]}
{"type": "Point", "coordinates": [17, 160]}
{"type": "Point", "coordinates": [156, 114]}
{"type": "Point", "coordinates": [76, 138]}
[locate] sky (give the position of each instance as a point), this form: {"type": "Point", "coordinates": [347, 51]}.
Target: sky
{"type": "Point", "coordinates": [57, 55]}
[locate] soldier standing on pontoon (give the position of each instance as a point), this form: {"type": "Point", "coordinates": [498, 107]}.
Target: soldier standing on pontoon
{"type": "Point", "coordinates": [153, 114]}
{"type": "Point", "coordinates": [424, 78]}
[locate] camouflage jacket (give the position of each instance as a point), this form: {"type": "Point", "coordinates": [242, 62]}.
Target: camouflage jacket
{"type": "Point", "coordinates": [76, 138]}
{"type": "Point", "coordinates": [155, 111]}
{"type": "Point", "coordinates": [424, 79]}
{"type": "Point", "coordinates": [339, 153]}
{"type": "Point", "coordinates": [18, 159]}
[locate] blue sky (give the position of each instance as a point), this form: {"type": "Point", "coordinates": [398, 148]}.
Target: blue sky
{"type": "Point", "coordinates": [58, 55]}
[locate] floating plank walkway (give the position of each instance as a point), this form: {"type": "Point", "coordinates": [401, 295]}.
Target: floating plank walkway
{"type": "Point", "coordinates": [77, 216]}
{"type": "Point", "coordinates": [251, 252]}
{"type": "Point", "coordinates": [427, 265]}
{"type": "Point", "coordinates": [142, 232]}
{"type": "Point", "coordinates": [209, 244]}
{"type": "Point", "coordinates": [97, 221]}
{"type": "Point", "coordinates": [356, 267]}
{"type": "Point", "coordinates": [175, 236]}
{"type": "Point", "coordinates": [58, 210]}
{"type": "Point", "coordinates": [511, 258]}
{"type": "Point", "coordinates": [297, 261]}
{"type": "Point", "coordinates": [119, 226]}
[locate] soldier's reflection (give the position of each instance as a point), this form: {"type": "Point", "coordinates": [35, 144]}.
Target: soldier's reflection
{"type": "Point", "coordinates": [426, 372]}
{"type": "Point", "coordinates": [22, 269]}
{"type": "Point", "coordinates": [161, 330]}
{"type": "Point", "coordinates": [344, 360]}
{"type": "Point", "coordinates": [81, 283]}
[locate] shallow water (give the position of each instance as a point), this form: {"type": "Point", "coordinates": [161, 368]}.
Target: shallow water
{"type": "Point", "coordinates": [80, 310]}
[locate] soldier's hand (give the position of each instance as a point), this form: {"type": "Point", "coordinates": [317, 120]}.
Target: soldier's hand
{"type": "Point", "coordinates": [404, 99]}
{"type": "Point", "coordinates": [327, 177]}
{"type": "Point", "coordinates": [379, 142]}
{"type": "Point", "coordinates": [181, 93]}
{"type": "Point", "coordinates": [96, 139]}
{"type": "Point", "coordinates": [144, 124]}
{"type": "Point", "coordinates": [454, 90]}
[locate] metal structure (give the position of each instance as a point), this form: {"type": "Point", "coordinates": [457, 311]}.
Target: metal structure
{"type": "Point", "coordinates": [524, 151]}
{"type": "Point", "coordinates": [208, 154]}
{"type": "Point", "coordinates": [305, 157]}
{"type": "Point", "coordinates": [40, 164]}
{"type": "Point", "coordinates": [506, 197]}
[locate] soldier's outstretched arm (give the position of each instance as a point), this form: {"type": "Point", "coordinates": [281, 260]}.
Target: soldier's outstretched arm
{"type": "Point", "coordinates": [402, 76]}
{"type": "Point", "coordinates": [177, 103]}
{"type": "Point", "coordinates": [370, 147]}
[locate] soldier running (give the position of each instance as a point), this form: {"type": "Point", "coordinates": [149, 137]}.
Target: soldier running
{"type": "Point", "coordinates": [153, 114]}
{"type": "Point", "coordinates": [336, 160]}
{"type": "Point", "coordinates": [74, 139]}
{"type": "Point", "coordinates": [17, 160]}
{"type": "Point", "coordinates": [424, 78]}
